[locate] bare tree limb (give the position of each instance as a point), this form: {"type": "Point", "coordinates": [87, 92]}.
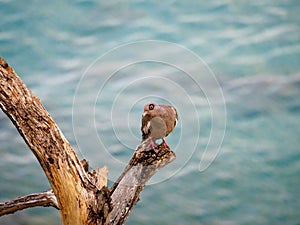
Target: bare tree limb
{"type": "Point", "coordinates": [71, 184]}
{"type": "Point", "coordinates": [44, 199]}
{"type": "Point", "coordinates": [48, 198]}
{"type": "Point", "coordinates": [142, 166]}
{"type": "Point", "coordinates": [82, 196]}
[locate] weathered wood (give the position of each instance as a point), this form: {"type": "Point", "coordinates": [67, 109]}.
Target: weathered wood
{"type": "Point", "coordinates": [48, 198]}
{"type": "Point", "coordinates": [81, 195]}
{"type": "Point", "coordinates": [143, 165]}
{"type": "Point", "coordinates": [71, 184]}
{"type": "Point", "coordinates": [44, 199]}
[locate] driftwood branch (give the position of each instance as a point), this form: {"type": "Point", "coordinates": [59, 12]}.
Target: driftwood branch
{"type": "Point", "coordinates": [143, 165]}
{"type": "Point", "coordinates": [81, 196]}
{"type": "Point", "coordinates": [48, 198]}
{"type": "Point", "coordinates": [75, 191]}
{"type": "Point", "coordinates": [45, 199]}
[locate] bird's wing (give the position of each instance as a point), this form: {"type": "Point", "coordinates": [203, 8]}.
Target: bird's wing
{"type": "Point", "coordinates": [158, 128]}
{"type": "Point", "coordinates": [171, 118]}
{"type": "Point", "coordinates": [145, 128]}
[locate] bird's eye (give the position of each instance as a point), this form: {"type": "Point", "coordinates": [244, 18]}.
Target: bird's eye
{"type": "Point", "coordinates": [151, 106]}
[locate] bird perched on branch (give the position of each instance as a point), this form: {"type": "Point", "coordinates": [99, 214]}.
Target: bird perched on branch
{"type": "Point", "coordinates": [157, 122]}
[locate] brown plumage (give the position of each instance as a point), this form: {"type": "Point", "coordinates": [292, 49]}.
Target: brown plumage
{"type": "Point", "coordinates": [158, 121]}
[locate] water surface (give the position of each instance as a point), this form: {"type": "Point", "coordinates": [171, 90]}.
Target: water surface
{"type": "Point", "coordinates": [253, 50]}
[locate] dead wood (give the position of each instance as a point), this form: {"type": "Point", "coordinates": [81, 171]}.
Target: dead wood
{"type": "Point", "coordinates": [81, 196]}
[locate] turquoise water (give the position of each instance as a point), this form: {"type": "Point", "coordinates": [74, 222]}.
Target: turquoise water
{"type": "Point", "coordinates": [245, 85]}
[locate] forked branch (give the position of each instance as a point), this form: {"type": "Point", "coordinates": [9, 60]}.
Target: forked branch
{"type": "Point", "coordinates": [81, 196]}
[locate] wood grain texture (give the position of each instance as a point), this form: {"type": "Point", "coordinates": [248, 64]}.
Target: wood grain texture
{"type": "Point", "coordinates": [82, 196]}
{"type": "Point", "coordinates": [144, 163]}
{"type": "Point", "coordinates": [44, 199]}
{"type": "Point", "coordinates": [70, 182]}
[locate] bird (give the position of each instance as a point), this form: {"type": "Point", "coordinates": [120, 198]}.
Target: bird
{"type": "Point", "coordinates": [158, 121]}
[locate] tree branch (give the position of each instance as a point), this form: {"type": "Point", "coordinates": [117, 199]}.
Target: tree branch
{"type": "Point", "coordinates": [71, 184]}
{"type": "Point", "coordinates": [44, 199]}
{"type": "Point", "coordinates": [48, 198]}
{"type": "Point", "coordinates": [143, 165]}
{"type": "Point", "coordinates": [81, 195]}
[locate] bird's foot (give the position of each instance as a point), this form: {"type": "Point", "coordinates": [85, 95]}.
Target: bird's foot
{"type": "Point", "coordinates": [165, 144]}
{"type": "Point", "coordinates": [153, 144]}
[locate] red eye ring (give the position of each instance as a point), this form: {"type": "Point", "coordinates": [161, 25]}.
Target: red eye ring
{"type": "Point", "coordinates": [151, 106]}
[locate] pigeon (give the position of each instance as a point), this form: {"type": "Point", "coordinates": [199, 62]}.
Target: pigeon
{"type": "Point", "coordinates": [157, 122]}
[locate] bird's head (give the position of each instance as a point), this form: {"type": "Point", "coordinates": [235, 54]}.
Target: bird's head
{"type": "Point", "coordinates": [152, 109]}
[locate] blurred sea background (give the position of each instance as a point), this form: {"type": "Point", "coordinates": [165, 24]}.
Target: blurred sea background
{"type": "Point", "coordinates": [247, 86]}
